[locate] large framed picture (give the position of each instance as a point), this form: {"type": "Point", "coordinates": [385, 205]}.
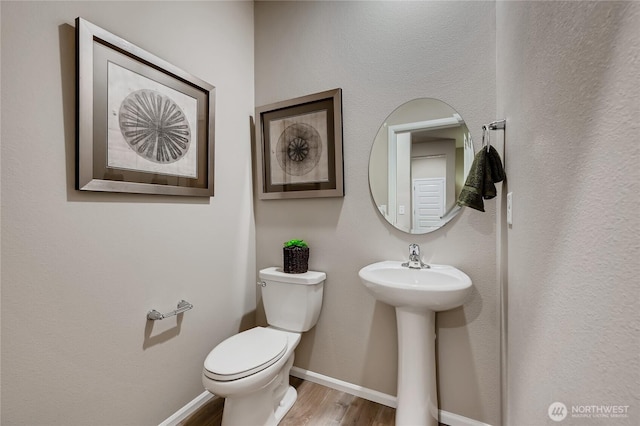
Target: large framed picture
{"type": "Point", "coordinates": [299, 147]}
{"type": "Point", "coordinates": [143, 125]}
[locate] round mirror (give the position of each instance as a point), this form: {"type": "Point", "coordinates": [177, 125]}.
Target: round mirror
{"type": "Point", "coordinates": [418, 165]}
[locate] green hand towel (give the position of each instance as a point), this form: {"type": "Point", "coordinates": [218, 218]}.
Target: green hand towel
{"type": "Point", "coordinates": [485, 171]}
{"type": "Point", "coordinates": [493, 174]}
{"type": "Point", "coordinates": [495, 166]}
{"type": "Point", "coordinates": [473, 190]}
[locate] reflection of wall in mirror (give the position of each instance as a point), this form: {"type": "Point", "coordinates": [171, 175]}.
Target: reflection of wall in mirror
{"type": "Point", "coordinates": [429, 166]}
{"type": "Point", "coordinates": [460, 169]}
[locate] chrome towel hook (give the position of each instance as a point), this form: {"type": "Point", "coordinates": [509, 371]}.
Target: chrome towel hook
{"type": "Point", "coordinates": [183, 306]}
{"type": "Point", "coordinates": [486, 137]}
{"type": "Point", "coordinates": [498, 125]}
{"type": "Point", "coordinates": [494, 125]}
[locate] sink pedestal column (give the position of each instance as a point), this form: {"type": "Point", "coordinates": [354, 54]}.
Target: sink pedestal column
{"type": "Point", "coordinates": [417, 395]}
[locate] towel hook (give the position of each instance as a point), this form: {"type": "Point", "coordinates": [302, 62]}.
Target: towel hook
{"type": "Point", "coordinates": [494, 125]}
{"type": "Point", "coordinates": [486, 137]}
{"type": "Point", "coordinates": [498, 124]}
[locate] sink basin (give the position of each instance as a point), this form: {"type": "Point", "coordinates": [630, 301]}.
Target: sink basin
{"type": "Point", "coordinates": [438, 288]}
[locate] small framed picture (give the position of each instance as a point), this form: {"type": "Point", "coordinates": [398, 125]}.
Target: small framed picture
{"type": "Point", "coordinates": [299, 147]}
{"type": "Point", "coordinates": [143, 125]}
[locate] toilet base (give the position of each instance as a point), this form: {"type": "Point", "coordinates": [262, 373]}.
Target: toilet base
{"type": "Point", "coordinates": [265, 406]}
{"type": "Point", "coordinates": [286, 403]}
{"type": "Point", "coordinates": [236, 413]}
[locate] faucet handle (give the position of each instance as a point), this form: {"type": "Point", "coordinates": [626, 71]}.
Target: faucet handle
{"type": "Point", "coordinates": [414, 250]}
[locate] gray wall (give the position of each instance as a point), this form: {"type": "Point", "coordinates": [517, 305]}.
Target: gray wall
{"type": "Point", "coordinates": [383, 54]}
{"type": "Point", "coordinates": [81, 270]}
{"type": "Point", "coordinates": [569, 86]}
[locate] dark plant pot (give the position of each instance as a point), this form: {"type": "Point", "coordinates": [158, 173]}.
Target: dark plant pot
{"type": "Point", "coordinates": [296, 259]}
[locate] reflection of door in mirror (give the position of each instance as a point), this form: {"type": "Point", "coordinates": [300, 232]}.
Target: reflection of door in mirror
{"type": "Point", "coordinates": [432, 157]}
{"type": "Point", "coordinates": [428, 204]}
{"type": "Point", "coordinates": [432, 147]}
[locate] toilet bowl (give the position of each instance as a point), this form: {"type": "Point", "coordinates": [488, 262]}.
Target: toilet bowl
{"type": "Point", "coordinates": [251, 369]}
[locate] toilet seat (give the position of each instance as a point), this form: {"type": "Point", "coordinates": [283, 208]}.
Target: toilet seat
{"type": "Point", "coordinates": [245, 354]}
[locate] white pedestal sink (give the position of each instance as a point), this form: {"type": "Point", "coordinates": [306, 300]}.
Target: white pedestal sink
{"type": "Point", "coordinates": [417, 295]}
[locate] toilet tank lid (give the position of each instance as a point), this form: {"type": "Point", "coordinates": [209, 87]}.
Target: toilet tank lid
{"type": "Point", "coordinates": [275, 273]}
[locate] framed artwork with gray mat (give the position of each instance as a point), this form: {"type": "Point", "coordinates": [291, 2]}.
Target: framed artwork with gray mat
{"type": "Point", "coordinates": [143, 125]}
{"type": "Point", "coordinates": [299, 147]}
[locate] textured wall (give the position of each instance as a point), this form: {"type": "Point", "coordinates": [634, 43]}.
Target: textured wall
{"type": "Point", "coordinates": [80, 270]}
{"type": "Point", "coordinates": [568, 84]}
{"type": "Point", "coordinates": [383, 54]}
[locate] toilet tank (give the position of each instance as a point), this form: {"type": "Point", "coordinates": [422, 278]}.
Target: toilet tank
{"type": "Point", "coordinates": [292, 302]}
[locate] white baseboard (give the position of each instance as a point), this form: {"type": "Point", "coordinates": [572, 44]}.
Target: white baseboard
{"type": "Point", "coordinates": [191, 407]}
{"type": "Point", "coordinates": [447, 418]}
{"type": "Point", "coordinates": [350, 388]}
{"type": "Point", "coordinates": [456, 420]}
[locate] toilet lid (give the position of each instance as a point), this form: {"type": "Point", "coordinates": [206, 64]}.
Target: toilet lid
{"type": "Point", "coordinates": [245, 353]}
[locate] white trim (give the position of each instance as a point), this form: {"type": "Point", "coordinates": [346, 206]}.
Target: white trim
{"type": "Point", "coordinates": [450, 419]}
{"type": "Point", "coordinates": [457, 420]}
{"type": "Point", "coordinates": [189, 409]}
{"type": "Point", "coordinates": [439, 123]}
{"type": "Point", "coordinates": [392, 175]}
{"type": "Point", "coordinates": [350, 388]}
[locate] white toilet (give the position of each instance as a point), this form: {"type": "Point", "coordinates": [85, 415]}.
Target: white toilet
{"type": "Point", "coordinates": [251, 369]}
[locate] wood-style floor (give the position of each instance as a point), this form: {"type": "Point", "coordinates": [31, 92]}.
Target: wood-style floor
{"type": "Point", "coordinates": [316, 405]}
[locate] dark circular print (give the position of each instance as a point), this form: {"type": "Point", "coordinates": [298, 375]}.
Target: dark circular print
{"type": "Point", "coordinates": [154, 126]}
{"type": "Point", "coordinates": [298, 149]}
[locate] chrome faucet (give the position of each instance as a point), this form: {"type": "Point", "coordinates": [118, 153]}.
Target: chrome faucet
{"type": "Point", "coordinates": [414, 258]}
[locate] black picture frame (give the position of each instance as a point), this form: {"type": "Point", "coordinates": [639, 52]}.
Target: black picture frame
{"type": "Point", "coordinates": [299, 147]}
{"type": "Point", "coordinates": [143, 125]}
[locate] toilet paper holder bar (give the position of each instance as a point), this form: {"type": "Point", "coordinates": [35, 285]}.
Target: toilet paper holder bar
{"type": "Point", "coordinates": [183, 306]}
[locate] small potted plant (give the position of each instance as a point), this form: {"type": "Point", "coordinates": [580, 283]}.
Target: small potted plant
{"type": "Point", "coordinates": [296, 256]}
